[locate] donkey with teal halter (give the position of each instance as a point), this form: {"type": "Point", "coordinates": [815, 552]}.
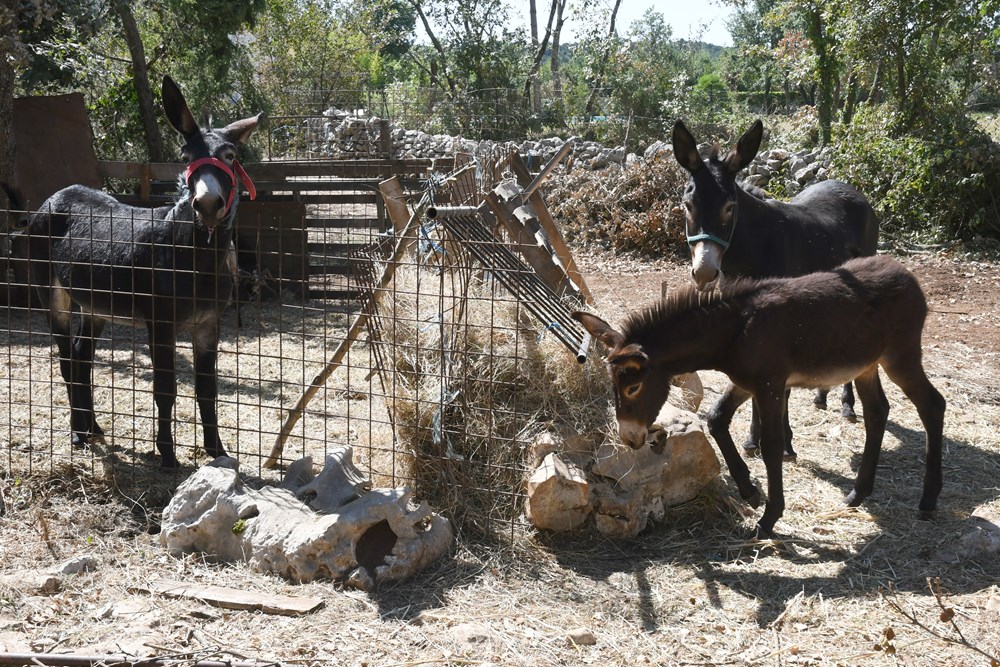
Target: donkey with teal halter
{"type": "Point", "coordinates": [732, 232]}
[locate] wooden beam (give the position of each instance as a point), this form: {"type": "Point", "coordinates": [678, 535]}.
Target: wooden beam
{"type": "Point", "coordinates": [551, 230]}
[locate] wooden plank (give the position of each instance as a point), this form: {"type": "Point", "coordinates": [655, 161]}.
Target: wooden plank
{"type": "Point", "coordinates": [395, 203]}
{"type": "Point", "coordinates": [155, 170]}
{"type": "Point", "coordinates": [233, 598]}
{"type": "Point", "coordinates": [339, 185]}
{"type": "Point", "coordinates": [356, 198]}
{"type": "Point", "coordinates": [342, 223]}
{"type": "Point", "coordinates": [346, 168]}
{"type": "Point", "coordinates": [548, 224]}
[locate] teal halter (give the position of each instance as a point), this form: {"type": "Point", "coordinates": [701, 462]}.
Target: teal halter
{"type": "Point", "coordinates": [705, 236]}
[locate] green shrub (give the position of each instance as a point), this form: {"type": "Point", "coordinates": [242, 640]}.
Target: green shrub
{"type": "Point", "coordinates": [930, 182]}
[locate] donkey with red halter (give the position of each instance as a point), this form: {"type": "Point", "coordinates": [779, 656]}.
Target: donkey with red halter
{"type": "Point", "coordinates": [732, 232]}
{"type": "Point", "coordinates": [94, 259]}
{"type": "Point", "coordinates": [767, 335]}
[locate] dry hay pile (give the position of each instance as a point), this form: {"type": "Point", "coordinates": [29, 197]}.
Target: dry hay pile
{"type": "Point", "coordinates": [475, 380]}
{"type": "Point", "coordinates": [635, 208]}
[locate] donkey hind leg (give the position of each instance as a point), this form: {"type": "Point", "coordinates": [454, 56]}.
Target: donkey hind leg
{"type": "Point", "coordinates": [752, 444]}
{"type": "Point", "coordinates": [876, 416]}
{"type": "Point", "coordinates": [205, 341]}
{"type": "Point", "coordinates": [162, 345]}
{"type": "Point", "coordinates": [908, 373]}
{"type": "Point", "coordinates": [772, 406]}
{"type": "Point", "coordinates": [847, 404]}
{"type": "Point", "coordinates": [76, 357]}
{"type": "Point", "coordinates": [819, 398]}
{"type": "Point", "coordinates": [719, 420]}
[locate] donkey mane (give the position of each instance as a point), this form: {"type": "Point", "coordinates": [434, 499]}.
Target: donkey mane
{"type": "Point", "coordinates": [688, 300]}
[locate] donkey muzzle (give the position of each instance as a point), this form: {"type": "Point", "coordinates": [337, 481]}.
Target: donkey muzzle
{"type": "Point", "coordinates": [632, 433]}
{"type": "Point", "coordinates": [706, 263]}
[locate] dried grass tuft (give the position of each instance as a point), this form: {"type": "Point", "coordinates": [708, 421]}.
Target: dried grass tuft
{"type": "Point", "coordinates": [476, 380]}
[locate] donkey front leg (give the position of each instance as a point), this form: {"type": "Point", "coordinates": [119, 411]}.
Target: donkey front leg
{"type": "Point", "coordinates": [752, 445]}
{"type": "Point", "coordinates": [162, 346]}
{"type": "Point", "coordinates": [772, 412]}
{"type": "Point", "coordinates": [719, 420]}
{"type": "Point", "coordinates": [876, 416]}
{"type": "Point", "coordinates": [205, 340]}
{"type": "Point", "coordinates": [847, 404]}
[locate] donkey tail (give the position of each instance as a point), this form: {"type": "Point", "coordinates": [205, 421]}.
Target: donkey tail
{"type": "Point", "coordinates": [15, 198]}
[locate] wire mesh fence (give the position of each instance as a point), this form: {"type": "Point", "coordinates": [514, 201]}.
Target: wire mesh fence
{"type": "Point", "coordinates": [443, 388]}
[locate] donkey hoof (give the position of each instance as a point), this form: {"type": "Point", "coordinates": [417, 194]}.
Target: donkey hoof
{"type": "Point", "coordinates": [169, 463]}
{"type": "Point", "coordinates": [926, 515]}
{"type": "Point", "coordinates": [753, 499]}
{"type": "Point", "coordinates": [819, 404]}
{"type": "Point", "coordinates": [763, 533]}
{"type": "Point", "coordinates": [751, 448]}
{"type": "Point", "coordinates": [853, 499]}
{"type": "Point", "coordinates": [790, 456]}
{"type": "Point", "coordinates": [849, 415]}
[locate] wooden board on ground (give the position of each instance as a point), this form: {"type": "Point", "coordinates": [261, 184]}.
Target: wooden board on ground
{"type": "Point", "coordinates": [233, 598]}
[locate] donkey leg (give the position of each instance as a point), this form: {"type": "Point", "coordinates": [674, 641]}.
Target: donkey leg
{"type": "Point", "coordinates": [876, 416]}
{"type": "Point", "coordinates": [772, 407]}
{"type": "Point", "coordinates": [789, 454]}
{"type": "Point", "coordinates": [847, 404]}
{"type": "Point", "coordinates": [719, 420]}
{"type": "Point", "coordinates": [907, 372]}
{"type": "Point", "coordinates": [162, 344]}
{"type": "Point", "coordinates": [819, 399]}
{"type": "Point", "coordinates": [60, 315]}
{"type": "Point", "coordinates": [205, 340]}
{"type": "Point", "coordinates": [84, 346]}
{"type": "Point", "coordinates": [752, 443]}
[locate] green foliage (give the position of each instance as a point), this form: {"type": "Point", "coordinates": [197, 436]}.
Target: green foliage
{"type": "Point", "coordinates": [936, 183]}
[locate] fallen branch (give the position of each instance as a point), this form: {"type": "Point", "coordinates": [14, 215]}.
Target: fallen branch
{"type": "Point", "coordinates": [947, 616]}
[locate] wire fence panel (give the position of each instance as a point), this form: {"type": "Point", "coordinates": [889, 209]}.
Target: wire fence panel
{"type": "Point", "coordinates": [444, 390]}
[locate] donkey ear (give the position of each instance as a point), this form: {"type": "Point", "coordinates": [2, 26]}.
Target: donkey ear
{"type": "Point", "coordinates": [599, 329]}
{"type": "Point", "coordinates": [686, 148]}
{"type": "Point", "coordinates": [746, 148]}
{"type": "Point", "coordinates": [176, 108]}
{"type": "Point", "coordinates": [239, 131]}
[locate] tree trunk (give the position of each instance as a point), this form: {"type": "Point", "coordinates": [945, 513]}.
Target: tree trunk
{"type": "Point", "coordinates": [602, 65]}
{"type": "Point", "coordinates": [140, 78]}
{"type": "Point", "coordinates": [8, 81]}
{"type": "Point", "coordinates": [557, 91]}
{"type": "Point", "coordinates": [533, 84]}
{"type": "Point", "coordinates": [825, 70]}
{"type": "Point", "coordinates": [536, 86]}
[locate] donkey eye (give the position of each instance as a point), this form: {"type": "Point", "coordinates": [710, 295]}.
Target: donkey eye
{"type": "Point", "coordinates": [632, 391]}
{"type": "Point", "coordinates": [229, 156]}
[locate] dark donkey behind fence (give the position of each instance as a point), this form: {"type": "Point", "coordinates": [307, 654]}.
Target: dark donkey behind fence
{"type": "Point", "coordinates": [732, 232]}
{"type": "Point", "coordinates": [164, 268]}
{"type": "Point", "coordinates": [819, 329]}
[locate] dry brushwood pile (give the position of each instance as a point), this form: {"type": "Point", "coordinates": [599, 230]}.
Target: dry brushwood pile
{"type": "Point", "coordinates": [631, 208]}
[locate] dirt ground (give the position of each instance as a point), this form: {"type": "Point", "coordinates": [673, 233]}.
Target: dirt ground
{"type": "Point", "coordinates": [836, 587]}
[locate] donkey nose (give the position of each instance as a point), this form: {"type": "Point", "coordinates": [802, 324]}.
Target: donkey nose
{"type": "Point", "coordinates": [209, 207]}
{"type": "Point", "coordinates": [703, 275]}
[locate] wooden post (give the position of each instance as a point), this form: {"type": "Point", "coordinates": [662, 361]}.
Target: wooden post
{"type": "Point", "coordinates": [395, 203]}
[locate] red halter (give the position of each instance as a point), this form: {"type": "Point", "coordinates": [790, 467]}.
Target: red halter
{"type": "Point", "coordinates": [216, 162]}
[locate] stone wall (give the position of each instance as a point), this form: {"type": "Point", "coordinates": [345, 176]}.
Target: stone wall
{"type": "Point", "coordinates": [344, 135]}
